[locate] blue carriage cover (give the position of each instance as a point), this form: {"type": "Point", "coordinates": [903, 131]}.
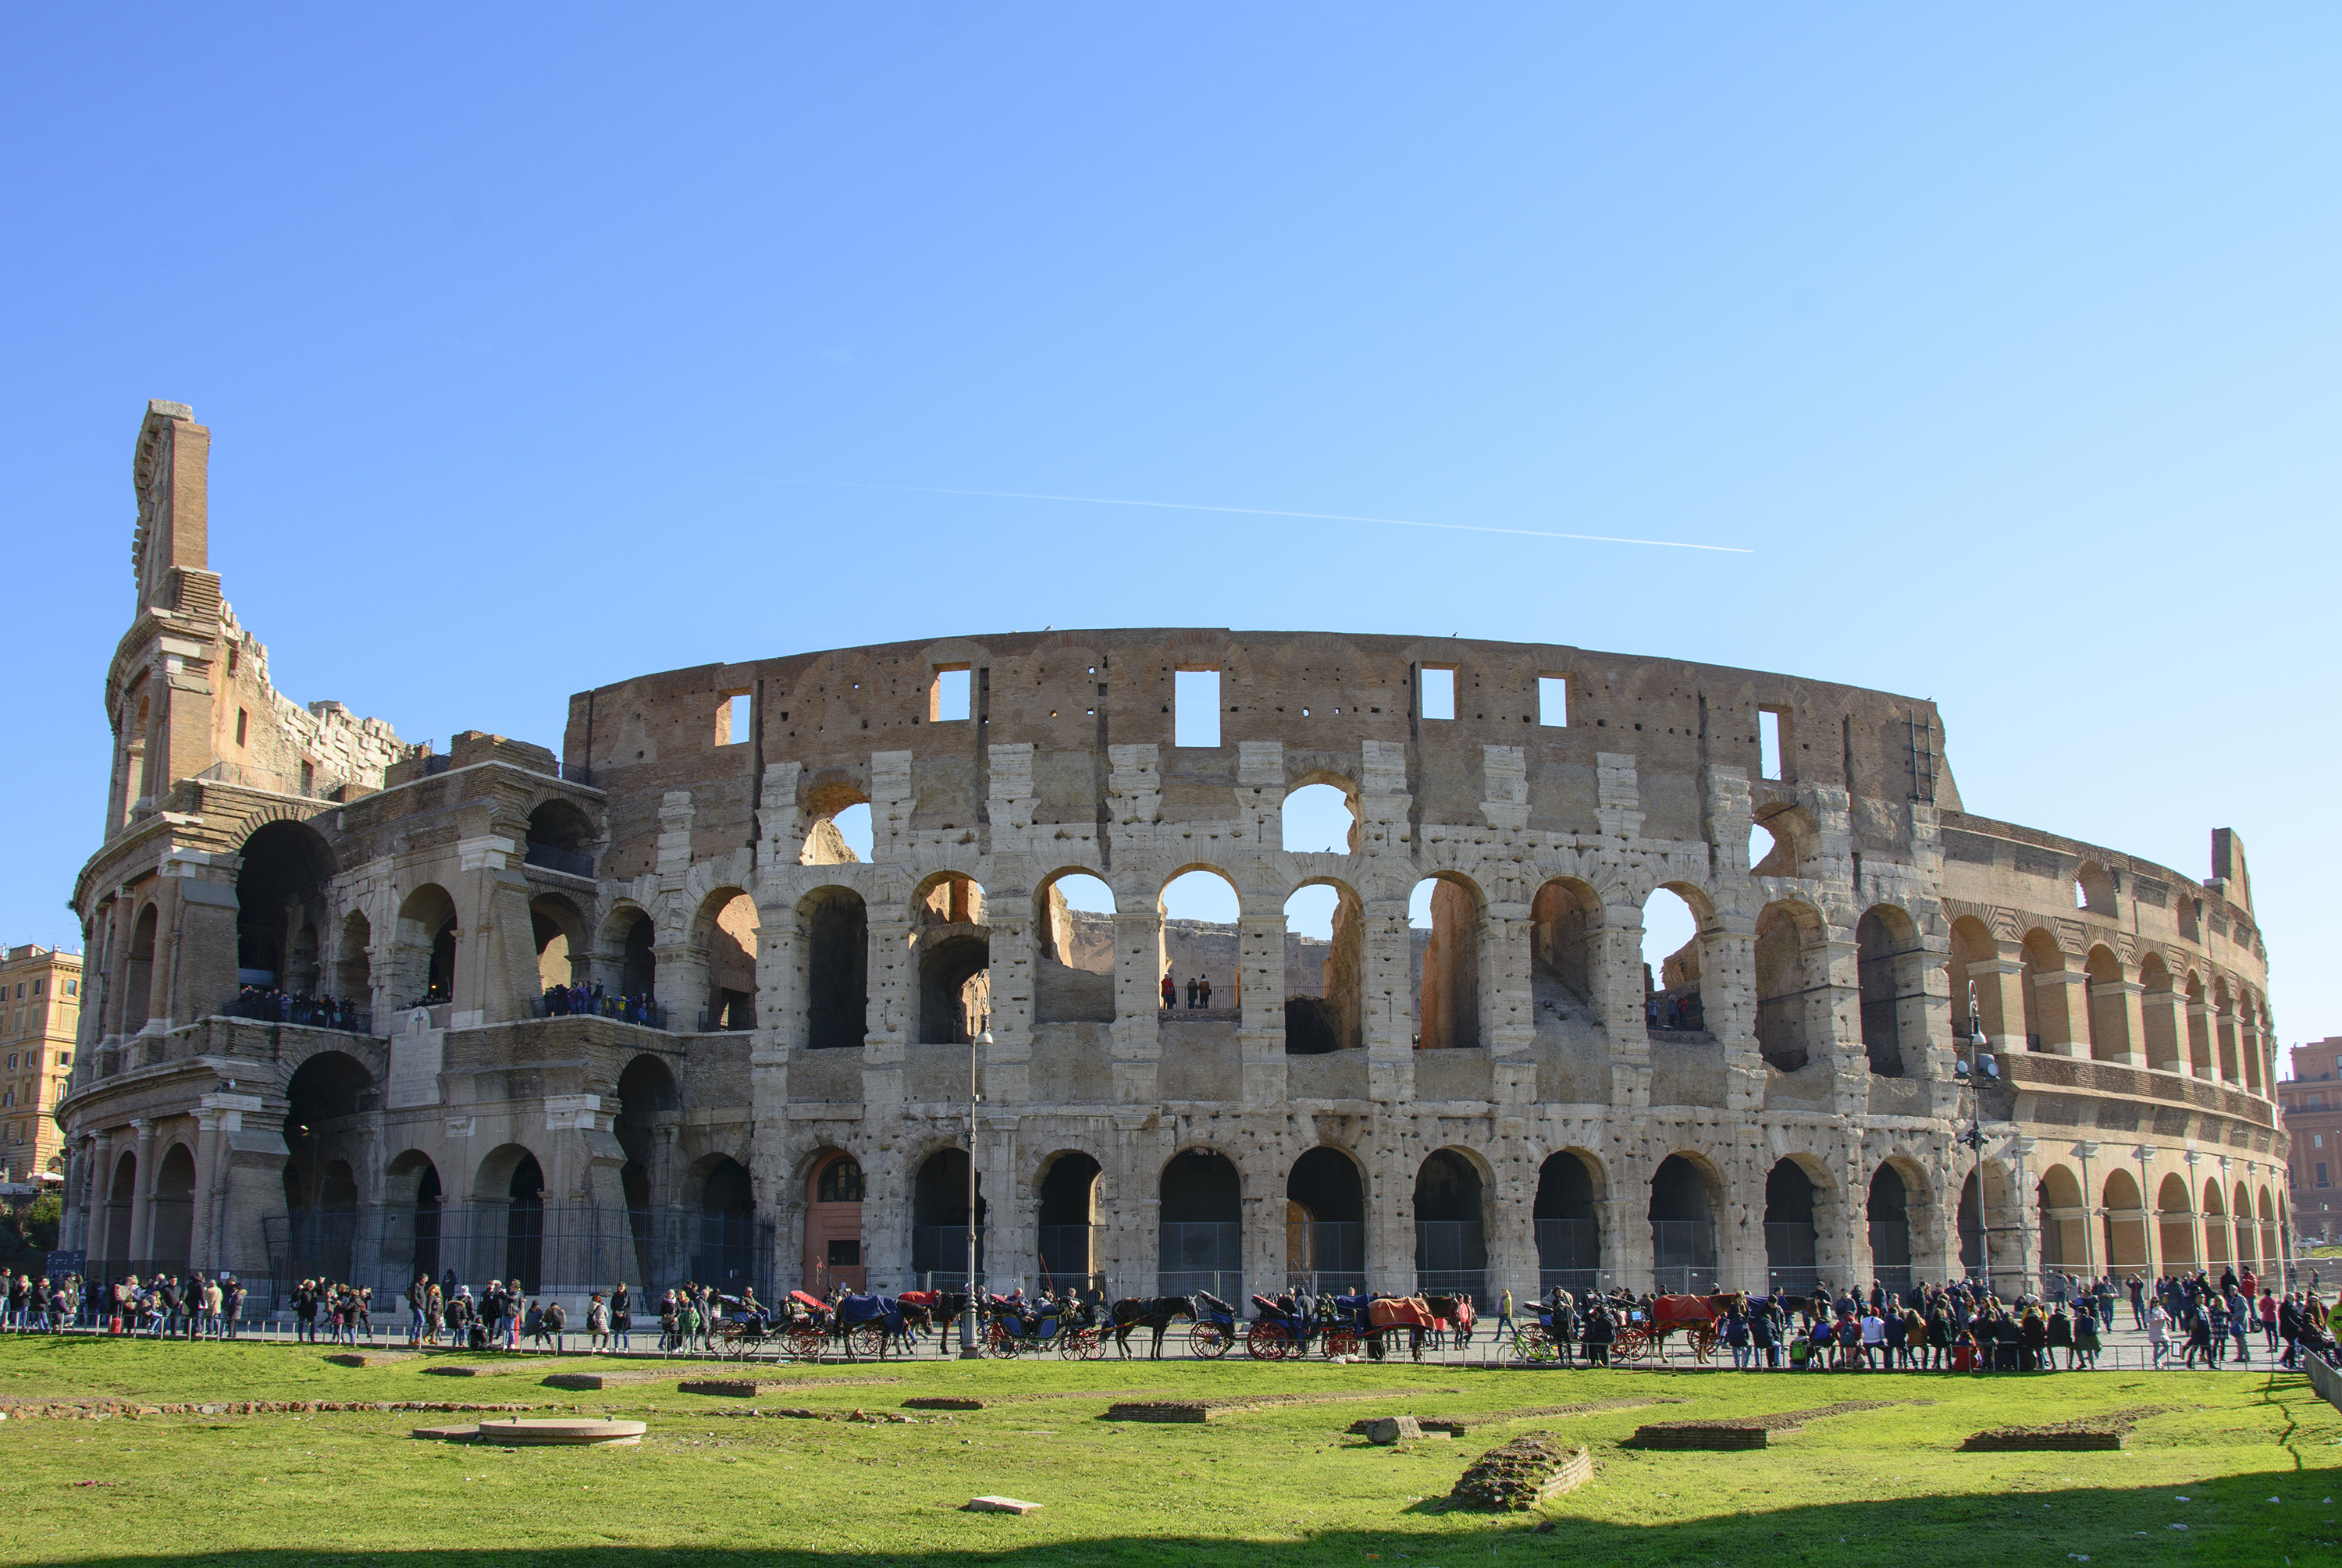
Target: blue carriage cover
{"type": "Point", "coordinates": [854, 1311]}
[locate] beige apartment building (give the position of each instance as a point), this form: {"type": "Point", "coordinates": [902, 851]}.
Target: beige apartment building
{"type": "Point", "coordinates": [40, 1009]}
{"type": "Point", "coordinates": [2312, 1108]}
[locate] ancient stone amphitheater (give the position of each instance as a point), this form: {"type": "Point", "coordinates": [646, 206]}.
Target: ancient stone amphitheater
{"type": "Point", "coordinates": [1492, 1091]}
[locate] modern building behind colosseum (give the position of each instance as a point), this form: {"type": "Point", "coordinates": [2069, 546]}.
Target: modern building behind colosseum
{"type": "Point", "coordinates": [1506, 1099]}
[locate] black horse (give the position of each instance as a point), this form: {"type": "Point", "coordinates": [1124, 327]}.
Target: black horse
{"type": "Point", "coordinates": [1155, 1312]}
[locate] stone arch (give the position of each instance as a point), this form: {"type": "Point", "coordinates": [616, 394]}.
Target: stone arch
{"type": "Point", "coordinates": [171, 1209]}
{"type": "Point", "coordinates": [1789, 974]}
{"type": "Point", "coordinates": [413, 1202]}
{"type": "Point", "coordinates": [725, 937]}
{"type": "Point", "coordinates": [2048, 1024]}
{"type": "Point", "coordinates": [2094, 889]}
{"type": "Point", "coordinates": [1568, 1216]}
{"type": "Point", "coordinates": [2062, 1216]}
{"type": "Point", "coordinates": [939, 1217]}
{"type": "Point", "coordinates": [282, 884]}
{"type": "Point", "coordinates": [1208, 950]}
{"type": "Point", "coordinates": [353, 959]}
{"type": "Point", "coordinates": [1887, 1213]}
{"type": "Point", "coordinates": [1317, 790]}
{"type": "Point", "coordinates": [564, 956]}
{"type": "Point", "coordinates": [560, 837]}
{"type": "Point", "coordinates": [324, 1097]}
{"type": "Point", "coordinates": [122, 1196]}
{"type": "Point", "coordinates": [423, 953]}
{"type": "Point", "coordinates": [834, 1186]}
{"type": "Point", "coordinates": [1326, 1010]}
{"type": "Point", "coordinates": [2224, 1029]}
{"type": "Point", "coordinates": [138, 971]}
{"type": "Point", "coordinates": [2175, 1228]}
{"type": "Point", "coordinates": [1565, 957]}
{"type": "Point", "coordinates": [2163, 1022]}
{"type": "Point", "coordinates": [1452, 1185]}
{"type": "Point", "coordinates": [2107, 1018]}
{"type": "Point", "coordinates": [1975, 981]}
{"type": "Point", "coordinates": [2218, 1252]}
{"type": "Point", "coordinates": [2128, 1233]}
{"type": "Point", "coordinates": [1796, 836]}
{"type": "Point", "coordinates": [2272, 1240]}
{"type": "Point", "coordinates": [1073, 950]}
{"type": "Point", "coordinates": [1674, 993]}
{"type": "Point", "coordinates": [1687, 1190]}
{"type": "Point", "coordinates": [1889, 965]}
{"type": "Point", "coordinates": [1066, 1186]}
{"type": "Point", "coordinates": [1792, 1237]}
{"type": "Point", "coordinates": [724, 1197]}
{"type": "Point", "coordinates": [2200, 1060]}
{"type": "Point", "coordinates": [837, 963]}
{"type": "Point", "coordinates": [823, 798]}
{"type": "Point", "coordinates": [1447, 986]}
{"type": "Point", "coordinates": [1201, 1247]}
{"type": "Point", "coordinates": [2240, 1211]}
{"type": "Point", "coordinates": [1325, 1221]}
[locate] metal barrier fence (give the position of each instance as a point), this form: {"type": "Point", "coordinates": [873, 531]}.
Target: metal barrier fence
{"type": "Point", "coordinates": [1197, 1256]}
{"type": "Point", "coordinates": [308, 1011]}
{"type": "Point", "coordinates": [552, 1251]}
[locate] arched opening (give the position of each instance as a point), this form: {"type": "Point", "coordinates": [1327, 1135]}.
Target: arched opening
{"type": "Point", "coordinates": [637, 940]}
{"type": "Point", "coordinates": [2047, 1023]}
{"type": "Point", "coordinates": [1066, 1228]}
{"type": "Point", "coordinates": [939, 1216]}
{"type": "Point", "coordinates": [354, 965]}
{"type": "Point", "coordinates": [2094, 889]}
{"type": "Point", "coordinates": [2126, 1234]}
{"type": "Point", "coordinates": [1325, 1223]}
{"type": "Point", "coordinates": [170, 1210]}
{"type": "Point", "coordinates": [1451, 1251]}
{"type": "Point", "coordinates": [280, 887]}
{"type": "Point", "coordinates": [423, 971]}
{"type": "Point", "coordinates": [1563, 919]}
{"type": "Point", "coordinates": [833, 1227]}
{"type": "Point", "coordinates": [2200, 1035]}
{"type": "Point", "coordinates": [650, 1107]}
{"type": "Point", "coordinates": [561, 959]}
{"type": "Point", "coordinates": [1683, 1227]}
{"type": "Point", "coordinates": [1792, 1259]}
{"type": "Point", "coordinates": [560, 838]}
{"type": "Point", "coordinates": [525, 1224]}
{"type": "Point", "coordinates": [1975, 982]}
{"type": "Point", "coordinates": [1073, 960]}
{"type": "Point", "coordinates": [955, 954]}
{"type": "Point", "coordinates": [2270, 1253]}
{"type": "Point", "coordinates": [1198, 955]}
{"type": "Point", "coordinates": [2176, 1227]}
{"type": "Point", "coordinates": [1774, 837]}
{"type": "Point", "coordinates": [1890, 1231]}
{"type": "Point", "coordinates": [727, 1255]}
{"type": "Point", "coordinates": [413, 1200]}
{"type": "Point", "coordinates": [120, 1196]}
{"type": "Point", "coordinates": [1446, 909]}
{"type": "Point", "coordinates": [2247, 1237]}
{"type": "Point", "coordinates": [2159, 1014]}
{"type": "Point", "coordinates": [1202, 1241]}
{"type": "Point", "coordinates": [1763, 845]}
{"type": "Point", "coordinates": [727, 935]}
{"type": "Point", "coordinates": [1887, 969]}
{"type": "Point", "coordinates": [840, 833]}
{"type": "Point", "coordinates": [1671, 996]}
{"type": "Point", "coordinates": [138, 973]}
{"type": "Point", "coordinates": [2058, 1195]}
{"type": "Point", "coordinates": [1320, 819]}
{"type": "Point", "coordinates": [2108, 1018]}
{"type": "Point", "coordinates": [1324, 973]}
{"type": "Point", "coordinates": [1785, 988]}
{"type": "Point", "coordinates": [1568, 1225]}
{"type": "Point", "coordinates": [838, 962]}
{"type": "Point", "coordinates": [2216, 1254]}
{"type": "Point", "coordinates": [323, 1100]}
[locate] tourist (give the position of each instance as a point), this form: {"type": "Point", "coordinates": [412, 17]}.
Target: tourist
{"type": "Point", "coordinates": [418, 1295]}
{"type": "Point", "coordinates": [2086, 1342]}
{"type": "Point", "coordinates": [435, 1314]}
{"type": "Point", "coordinates": [622, 1317]}
{"type": "Point", "coordinates": [2199, 1338]}
{"type": "Point", "coordinates": [1170, 992]}
{"type": "Point", "coordinates": [215, 1307]}
{"type": "Point", "coordinates": [670, 1325]}
{"type": "Point", "coordinates": [2269, 1319]}
{"type": "Point", "coordinates": [554, 1324]}
{"type": "Point", "coordinates": [1599, 1331]}
{"type": "Point", "coordinates": [533, 1325]}
{"type": "Point", "coordinates": [2060, 1336]}
{"type": "Point", "coordinates": [1875, 1357]}
{"type": "Point", "coordinates": [1203, 989]}
{"type": "Point", "coordinates": [1191, 992]}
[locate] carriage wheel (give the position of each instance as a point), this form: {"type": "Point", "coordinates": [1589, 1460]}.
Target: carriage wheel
{"type": "Point", "coordinates": [804, 1342]}
{"type": "Point", "coordinates": [1268, 1341]}
{"type": "Point", "coordinates": [1337, 1341]}
{"type": "Point", "coordinates": [1090, 1344]}
{"type": "Point", "coordinates": [1630, 1345]}
{"type": "Point", "coordinates": [998, 1341]}
{"type": "Point", "coordinates": [1208, 1341]}
{"type": "Point", "coordinates": [869, 1341]}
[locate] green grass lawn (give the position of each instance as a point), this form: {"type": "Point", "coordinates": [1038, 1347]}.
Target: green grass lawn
{"type": "Point", "coordinates": [1278, 1485]}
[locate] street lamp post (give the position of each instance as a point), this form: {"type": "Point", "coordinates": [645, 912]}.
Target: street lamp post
{"type": "Point", "coordinates": [968, 1349]}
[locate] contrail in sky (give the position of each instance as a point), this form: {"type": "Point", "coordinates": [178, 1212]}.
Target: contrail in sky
{"type": "Point", "coordinates": [1268, 512]}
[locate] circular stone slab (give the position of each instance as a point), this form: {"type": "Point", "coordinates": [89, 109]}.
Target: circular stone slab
{"type": "Point", "coordinates": [534, 1433]}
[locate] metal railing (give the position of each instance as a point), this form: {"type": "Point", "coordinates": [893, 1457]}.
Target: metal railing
{"type": "Point", "coordinates": [308, 1011]}
{"type": "Point", "coordinates": [1683, 1255]}
{"type": "Point", "coordinates": [649, 1015]}
{"type": "Point", "coordinates": [1202, 1255]}
{"type": "Point", "coordinates": [553, 857]}
{"type": "Point", "coordinates": [943, 1250]}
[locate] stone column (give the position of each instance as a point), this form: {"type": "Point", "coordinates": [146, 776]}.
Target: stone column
{"type": "Point", "coordinates": [142, 1188]}
{"type": "Point", "coordinates": [95, 1177]}
{"type": "Point", "coordinates": [1386, 948]}
{"type": "Point", "coordinates": [1618, 999]}
{"type": "Point", "coordinates": [2058, 998]}
{"type": "Point", "coordinates": [1009, 1063]}
{"type": "Point", "coordinates": [1510, 1227]}
{"type": "Point", "coordinates": [200, 1249]}
{"type": "Point", "coordinates": [2159, 1017]}
{"type": "Point", "coordinates": [1137, 1006]}
{"type": "Point", "coordinates": [892, 1011]}
{"type": "Point", "coordinates": [2000, 997]}
{"type": "Point", "coordinates": [681, 982]}
{"type": "Point", "coordinates": [1260, 1033]}
{"type": "Point", "coordinates": [2124, 1003]}
{"type": "Point", "coordinates": [1728, 1001]}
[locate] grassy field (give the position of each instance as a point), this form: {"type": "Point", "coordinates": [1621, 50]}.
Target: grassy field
{"type": "Point", "coordinates": [1281, 1485]}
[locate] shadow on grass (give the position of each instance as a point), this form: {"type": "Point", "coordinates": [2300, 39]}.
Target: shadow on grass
{"type": "Point", "coordinates": [2230, 1521]}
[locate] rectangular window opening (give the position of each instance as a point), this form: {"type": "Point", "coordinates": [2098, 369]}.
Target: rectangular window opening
{"type": "Point", "coordinates": [241, 717]}
{"type": "Point", "coordinates": [1195, 708]}
{"type": "Point", "coordinates": [951, 701]}
{"type": "Point", "coordinates": [845, 1253]}
{"type": "Point", "coordinates": [1768, 743]}
{"type": "Point", "coordinates": [1438, 692]}
{"type": "Point", "coordinates": [1553, 701]}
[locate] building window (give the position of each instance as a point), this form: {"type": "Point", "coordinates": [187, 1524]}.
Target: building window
{"type": "Point", "coordinates": [1195, 707]}
{"type": "Point", "coordinates": [72, 987]}
{"type": "Point", "coordinates": [1438, 692]}
{"type": "Point", "coordinates": [240, 717]}
{"type": "Point", "coordinates": [2321, 1173]}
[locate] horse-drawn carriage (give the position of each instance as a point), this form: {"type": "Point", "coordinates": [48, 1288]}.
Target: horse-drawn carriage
{"type": "Point", "coordinates": [1698, 1318]}
{"type": "Point", "coordinates": [1012, 1329]}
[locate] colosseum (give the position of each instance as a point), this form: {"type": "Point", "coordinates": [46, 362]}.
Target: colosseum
{"type": "Point", "coordinates": [642, 1009]}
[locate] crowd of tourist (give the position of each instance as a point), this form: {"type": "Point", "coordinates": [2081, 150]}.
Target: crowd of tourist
{"type": "Point", "coordinates": [268, 1004]}
{"type": "Point", "coordinates": [592, 1002]}
{"type": "Point", "coordinates": [161, 1306]}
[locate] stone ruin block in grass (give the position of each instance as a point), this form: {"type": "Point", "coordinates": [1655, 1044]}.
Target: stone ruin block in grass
{"type": "Point", "coordinates": [1711, 1434]}
{"type": "Point", "coordinates": [2089, 1433]}
{"type": "Point", "coordinates": [1522, 1474]}
{"type": "Point", "coordinates": [942, 1402]}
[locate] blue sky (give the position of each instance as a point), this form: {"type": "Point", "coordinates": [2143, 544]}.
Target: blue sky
{"type": "Point", "coordinates": [546, 346]}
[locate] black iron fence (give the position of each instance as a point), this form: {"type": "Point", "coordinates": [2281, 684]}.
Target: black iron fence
{"type": "Point", "coordinates": [1197, 1256]}
{"type": "Point", "coordinates": [552, 1251]}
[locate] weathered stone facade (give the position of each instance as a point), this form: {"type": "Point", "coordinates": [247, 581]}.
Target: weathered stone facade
{"type": "Point", "coordinates": [1500, 1073]}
